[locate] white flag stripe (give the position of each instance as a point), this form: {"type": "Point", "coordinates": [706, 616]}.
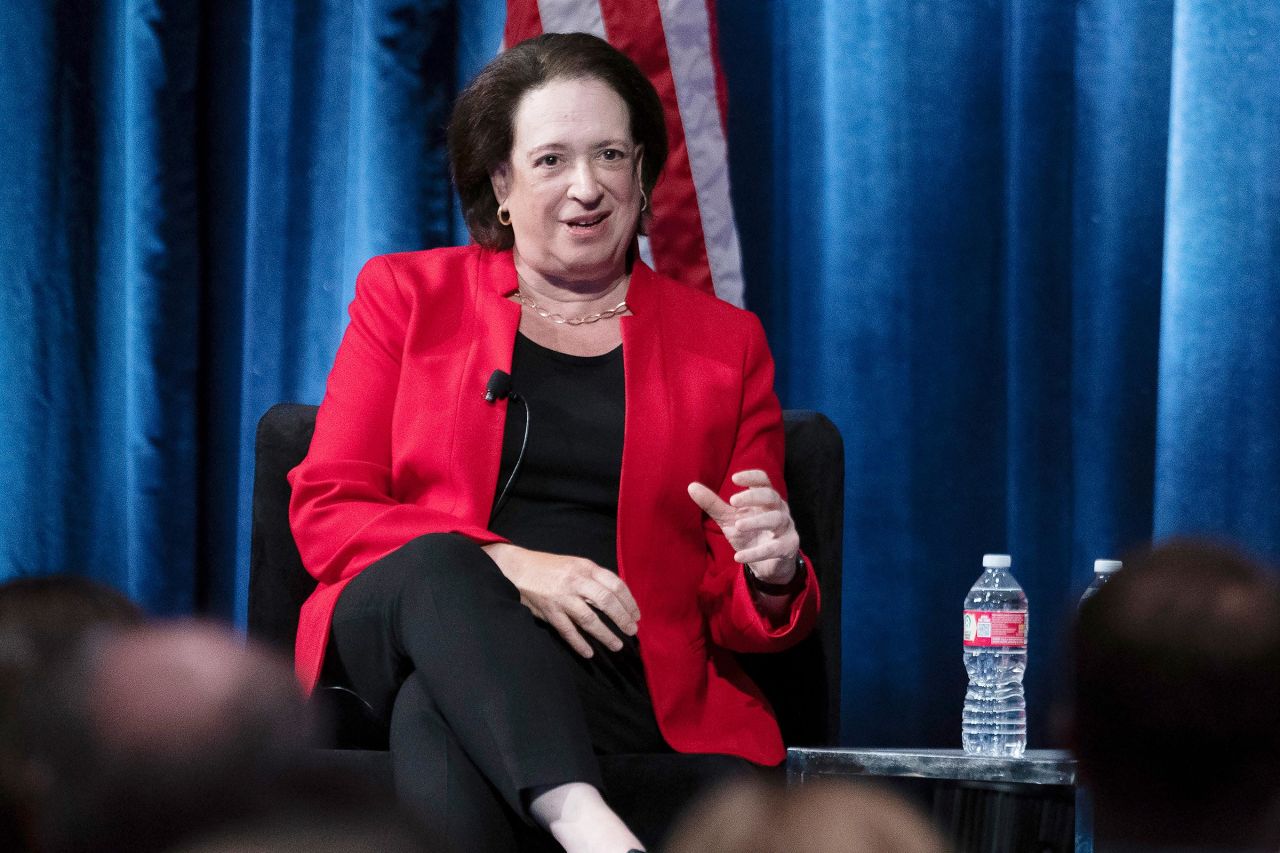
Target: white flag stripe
{"type": "Point", "coordinates": [646, 252]}
{"type": "Point", "coordinates": [571, 16]}
{"type": "Point", "coordinates": [688, 39]}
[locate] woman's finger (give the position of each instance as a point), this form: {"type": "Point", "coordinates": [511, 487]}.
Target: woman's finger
{"type": "Point", "coordinates": [587, 620]}
{"type": "Point", "coordinates": [565, 628]}
{"type": "Point", "coordinates": [623, 592]}
{"type": "Point", "coordinates": [760, 496]}
{"type": "Point", "coordinates": [775, 520]}
{"type": "Point", "coordinates": [721, 513]}
{"type": "Point", "coordinates": [607, 602]}
{"type": "Point", "coordinates": [770, 548]}
{"type": "Point", "coordinates": [751, 477]}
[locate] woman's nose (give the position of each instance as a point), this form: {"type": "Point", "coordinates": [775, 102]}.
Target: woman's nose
{"type": "Point", "coordinates": [584, 186]}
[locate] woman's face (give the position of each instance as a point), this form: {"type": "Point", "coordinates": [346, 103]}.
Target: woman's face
{"type": "Point", "coordinates": [572, 182]}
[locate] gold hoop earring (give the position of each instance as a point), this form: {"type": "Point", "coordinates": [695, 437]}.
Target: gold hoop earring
{"type": "Point", "coordinates": [502, 211]}
{"type": "Point", "coordinates": [644, 201]}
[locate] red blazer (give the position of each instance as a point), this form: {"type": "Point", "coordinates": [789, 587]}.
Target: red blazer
{"type": "Point", "coordinates": [406, 445]}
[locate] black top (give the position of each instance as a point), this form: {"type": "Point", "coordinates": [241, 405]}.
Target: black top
{"type": "Point", "coordinates": [564, 500]}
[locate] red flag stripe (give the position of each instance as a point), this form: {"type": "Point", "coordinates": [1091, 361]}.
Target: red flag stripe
{"type": "Point", "coordinates": [675, 232]}
{"type": "Point", "coordinates": [688, 39]}
{"type": "Point", "coordinates": [523, 22]}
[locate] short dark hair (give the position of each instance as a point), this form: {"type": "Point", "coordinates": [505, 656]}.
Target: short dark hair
{"type": "Point", "coordinates": [1177, 681]}
{"type": "Point", "coordinates": [481, 130]}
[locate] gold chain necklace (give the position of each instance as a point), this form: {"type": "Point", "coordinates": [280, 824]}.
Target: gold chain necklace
{"type": "Point", "coordinates": [562, 320]}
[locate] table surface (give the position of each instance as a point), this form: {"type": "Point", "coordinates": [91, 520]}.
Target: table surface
{"type": "Point", "coordinates": [1035, 767]}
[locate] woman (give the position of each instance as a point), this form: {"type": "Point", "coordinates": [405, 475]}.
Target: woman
{"type": "Point", "coordinates": [509, 605]}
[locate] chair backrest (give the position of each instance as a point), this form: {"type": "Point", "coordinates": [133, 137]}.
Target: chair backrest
{"type": "Point", "coordinates": [803, 683]}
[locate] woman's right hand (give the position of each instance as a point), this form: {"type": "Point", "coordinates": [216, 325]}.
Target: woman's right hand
{"type": "Point", "coordinates": [562, 591]}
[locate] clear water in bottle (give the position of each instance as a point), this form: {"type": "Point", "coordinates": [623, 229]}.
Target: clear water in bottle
{"type": "Point", "coordinates": [1102, 572]}
{"type": "Point", "coordinates": [995, 654]}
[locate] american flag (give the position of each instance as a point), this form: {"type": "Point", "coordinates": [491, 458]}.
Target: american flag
{"type": "Point", "coordinates": [692, 236]}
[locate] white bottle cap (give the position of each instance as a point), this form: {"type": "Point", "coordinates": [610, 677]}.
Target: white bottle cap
{"type": "Point", "coordinates": [1106, 567]}
{"type": "Point", "coordinates": [996, 561]}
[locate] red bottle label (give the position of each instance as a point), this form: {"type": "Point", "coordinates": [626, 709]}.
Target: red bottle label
{"type": "Point", "coordinates": [995, 628]}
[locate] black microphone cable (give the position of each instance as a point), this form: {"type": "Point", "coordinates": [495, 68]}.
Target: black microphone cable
{"type": "Point", "coordinates": [515, 469]}
{"type": "Point", "coordinates": [499, 387]}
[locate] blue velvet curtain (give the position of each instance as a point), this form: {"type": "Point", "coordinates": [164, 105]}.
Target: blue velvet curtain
{"type": "Point", "coordinates": [1025, 253]}
{"type": "Point", "coordinates": [188, 189]}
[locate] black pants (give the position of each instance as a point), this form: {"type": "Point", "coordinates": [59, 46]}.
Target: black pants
{"type": "Point", "coordinates": [480, 697]}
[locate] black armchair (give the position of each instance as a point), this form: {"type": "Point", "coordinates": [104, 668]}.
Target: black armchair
{"type": "Point", "coordinates": [803, 683]}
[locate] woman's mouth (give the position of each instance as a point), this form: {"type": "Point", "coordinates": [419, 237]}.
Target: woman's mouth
{"type": "Point", "coordinates": [586, 224]}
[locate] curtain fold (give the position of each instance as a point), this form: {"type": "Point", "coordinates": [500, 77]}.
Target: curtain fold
{"type": "Point", "coordinates": [1122, 89]}
{"type": "Point", "coordinates": [101, 264]}
{"type": "Point", "coordinates": [1037, 238]}
{"type": "Point", "coordinates": [1025, 254]}
{"type": "Point", "coordinates": [1218, 449]}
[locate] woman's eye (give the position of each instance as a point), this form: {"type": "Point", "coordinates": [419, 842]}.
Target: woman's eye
{"type": "Point", "coordinates": [612, 154]}
{"type": "Point", "coordinates": [549, 160]}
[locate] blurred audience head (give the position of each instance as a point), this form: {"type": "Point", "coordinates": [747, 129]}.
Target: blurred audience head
{"type": "Point", "coordinates": [42, 619]}
{"type": "Point", "coordinates": [1177, 698]}
{"type": "Point", "coordinates": [817, 817]}
{"type": "Point", "coordinates": [124, 735]}
{"type": "Point", "coordinates": [148, 735]}
{"type": "Point", "coordinates": [42, 622]}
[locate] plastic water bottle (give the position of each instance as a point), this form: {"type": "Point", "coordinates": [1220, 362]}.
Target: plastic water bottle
{"type": "Point", "coordinates": [1102, 572]}
{"type": "Point", "coordinates": [995, 654]}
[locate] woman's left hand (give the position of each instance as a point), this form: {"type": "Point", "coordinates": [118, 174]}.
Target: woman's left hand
{"type": "Point", "coordinates": [757, 522]}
